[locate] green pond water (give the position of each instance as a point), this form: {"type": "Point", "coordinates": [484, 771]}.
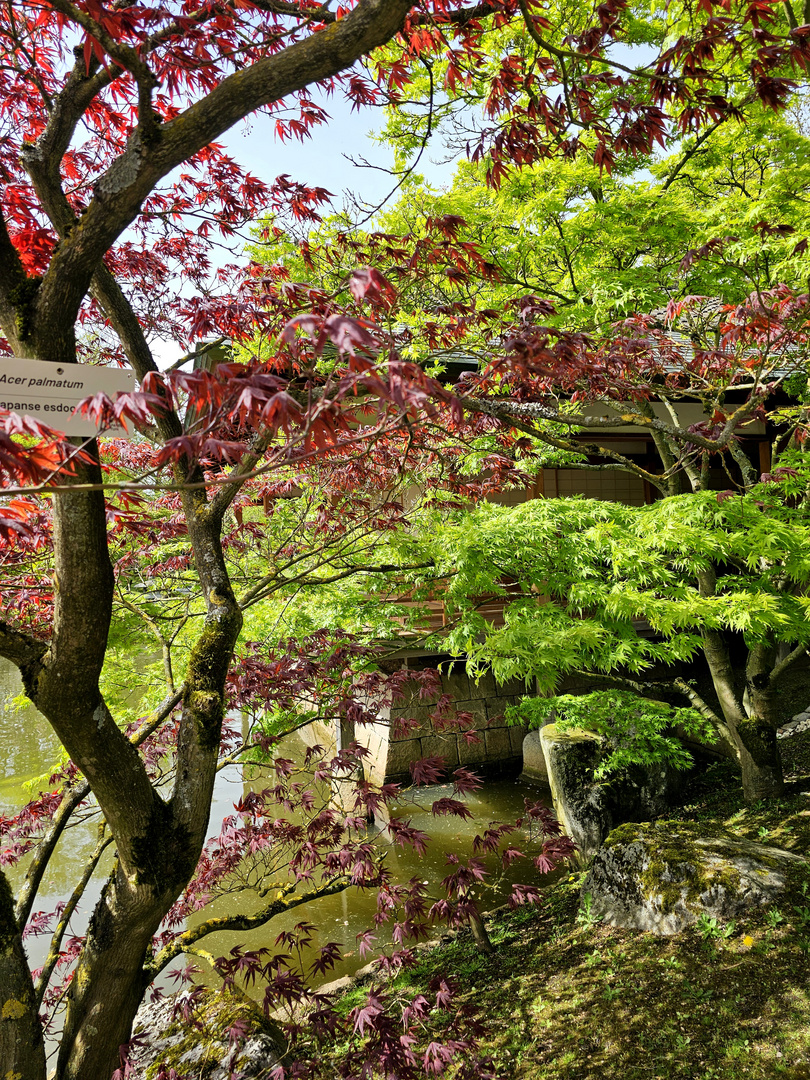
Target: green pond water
{"type": "Point", "coordinates": [32, 750]}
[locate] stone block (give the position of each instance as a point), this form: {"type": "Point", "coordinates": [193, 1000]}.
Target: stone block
{"type": "Point", "coordinates": [374, 738]}
{"type": "Point", "coordinates": [478, 709]}
{"type": "Point", "coordinates": [496, 707]}
{"type": "Point", "coordinates": [443, 746]}
{"type": "Point", "coordinates": [588, 809]}
{"type": "Point", "coordinates": [319, 734]}
{"type": "Point", "coordinates": [423, 713]}
{"type": "Point", "coordinates": [485, 686]}
{"type": "Point", "coordinates": [417, 698]}
{"type": "Point", "coordinates": [471, 753]}
{"type": "Point", "coordinates": [400, 756]}
{"type": "Point", "coordinates": [534, 760]}
{"type": "Point", "coordinates": [419, 713]}
{"type": "Point", "coordinates": [582, 805]}
{"type": "Point", "coordinates": [515, 688]}
{"type": "Point", "coordinates": [457, 684]}
{"type": "Point", "coordinates": [499, 745]}
{"type": "Point", "coordinates": [517, 736]}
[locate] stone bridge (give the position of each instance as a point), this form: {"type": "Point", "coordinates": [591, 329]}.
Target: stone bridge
{"type": "Point", "coordinates": [498, 749]}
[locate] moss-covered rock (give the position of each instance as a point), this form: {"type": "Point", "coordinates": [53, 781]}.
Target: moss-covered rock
{"type": "Point", "coordinates": [589, 808]}
{"type": "Point", "coordinates": [193, 1036]}
{"type": "Point", "coordinates": [662, 877]}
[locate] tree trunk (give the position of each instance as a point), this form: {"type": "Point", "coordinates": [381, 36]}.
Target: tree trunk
{"type": "Point", "coordinates": [22, 1051]}
{"type": "Point", "coordinates": [759, 760]}
{"type": "Point", "coordinates": [753, 738]}
{"type": "Point", "coordinates": [108, 983]}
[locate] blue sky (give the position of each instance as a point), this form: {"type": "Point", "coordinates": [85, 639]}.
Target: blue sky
{"type": "Point", "coordinates": [321, 161]}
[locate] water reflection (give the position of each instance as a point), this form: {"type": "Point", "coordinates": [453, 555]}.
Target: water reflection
{"type": "Point", "coordinates": [341, 918]}
{"type": "Point", "coordinates": [32, 753]}
{"type": "Point", "coordinates": [32, 750]}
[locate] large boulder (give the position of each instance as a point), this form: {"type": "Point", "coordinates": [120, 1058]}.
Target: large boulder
{"type": "Point", "coordinates": [193, 1037]}
{"type": "Point", "coordinates": [662, 876]}
{"type": "Point", "coordinates": [587, 808]}
{"type": "Point", "coordinates": [535, 769]}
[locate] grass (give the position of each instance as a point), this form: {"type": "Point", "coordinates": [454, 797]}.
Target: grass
{"type": "Point", "coordinates": [567, 998]}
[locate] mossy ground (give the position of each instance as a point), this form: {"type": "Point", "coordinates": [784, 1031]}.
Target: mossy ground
{"type": "Point", "coordinates": [565, 998]}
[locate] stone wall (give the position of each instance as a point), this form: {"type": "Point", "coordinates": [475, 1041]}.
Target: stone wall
{"type": "Point", "coordinates": [499, 748]}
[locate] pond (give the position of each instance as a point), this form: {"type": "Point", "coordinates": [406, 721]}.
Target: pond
{"type": "Point", "coordinates": [32, 750]}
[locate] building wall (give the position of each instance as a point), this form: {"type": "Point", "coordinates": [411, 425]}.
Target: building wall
{"type": "Point", "coordinates": [610, 485]}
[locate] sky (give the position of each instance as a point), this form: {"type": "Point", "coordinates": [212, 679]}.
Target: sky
{"type": "Point", "coordinates": [324, 160]}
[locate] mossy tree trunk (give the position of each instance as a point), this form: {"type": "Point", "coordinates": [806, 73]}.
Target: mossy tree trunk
{"type": "Point", "coordinates": [161, 854]}
{"type": "Point", "coordinates": [22, 1050]}
{"type": "Point", "coordinates": [748, 715]}
{"type": "Point", "coordinates": [762, 763]}
{"type": "Point", "coordinates": [158, 841]}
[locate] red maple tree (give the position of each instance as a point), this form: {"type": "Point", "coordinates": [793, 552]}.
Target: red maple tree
{"type": "Point", "coordinates": [113, 186]}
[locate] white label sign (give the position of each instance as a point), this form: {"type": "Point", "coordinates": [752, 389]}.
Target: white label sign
{"type": "Point", "coordinates": [50, 392]}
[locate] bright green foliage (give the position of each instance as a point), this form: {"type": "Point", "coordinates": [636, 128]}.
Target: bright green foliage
{"type": "Point", "coordinates": [596, 589]}
{"type": "Point", "coordinates": [598, 586]}
{"type": "Point", "coordinates": [634, 730]}
{"type": "Point", "coordinates": [629, 595]}
{"type": "Point", "coordinates": [605, 247]}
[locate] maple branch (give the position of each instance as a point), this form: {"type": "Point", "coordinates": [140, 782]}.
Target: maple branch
{"type": "Point", "coordinates": [125, 56]}
{"type": "Point", "coordinates": [239, 475]}
{"type": "Point", "coordinates": [113, 302]}
{"type": "Point", "coordinates": [263, 589]}
{"type": "Point", "coordinates": [749, 474]}
{"type": "Point", "coordinates": [502, 411]}
{"type": "Point", "coordinates": [45, 849]}
{"type": "Point", "coordinates": [117, 308]}
{"type": "Point", "coordinates": [29, 55]}
{"type": "Point", "coordinates": [41, 158]}
{"type": "Point", "coordinates": [637, 686]}
{"type": "Point", "coordinates": [329, 551]}
{"type": "Point", "coordinates": [708, 713]}
{"type": "Point", "coordinates": [690, 153]}
{"type": "Point", "coordinates": [667, 451]}
{"type": "Point", "coordinates": [423, 146]}
{"type": "Point", "coordinates": [284, 7]}
{"type": "Point", "coordinates": [14, 285]}
{"type": "Point", "coordinates": [46, 846]}
{"type": "Point", "coordinates": [276, 907]}
{"type": "Point", "coordinates": [20, 648]}
{"type": "Point", "coordinates": [783, 665]}
{"type": "Point", "coordinates": [71, 905]}
{"type": "Point", "coordinates": [535, 410]}
{"type": "Point", "coordinates": [538, 40]}
{"type": "Point", "coordinates": [460, 17]}
{"type": "Point", "coordinates": [149, 156]}
{"type": "Point", "coordinates": [165, 645]}
{"type": "Point", "coordinates": [199, 351]}
{"type": "Point", "coordinates": [793, 22]}
{"type": "Point", "coordinates": [573, 54]}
